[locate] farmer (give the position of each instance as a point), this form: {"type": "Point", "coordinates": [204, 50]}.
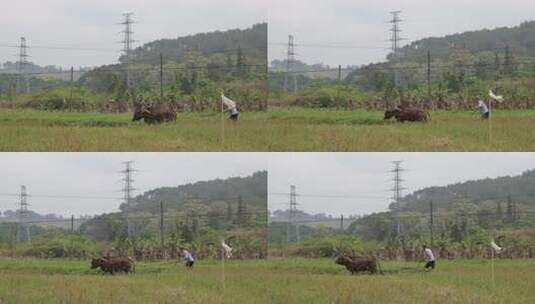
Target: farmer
{"type": "Point", "coordinates": [232, 107]}
{"type": "Point", "coordinates": [483, 109]}
{"type": "Point", "coordinates": [188, 258]}
{"type": "Point", "coordinates": [429, 258]}
{"type": "Point", "coordinates": [234, 114]}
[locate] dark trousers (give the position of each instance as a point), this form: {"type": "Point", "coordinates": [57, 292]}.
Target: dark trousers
{"type": "Point", "coordinates": [430, 265]}
{"type": "Point", "coordinates": [189, 264]}
{"type": "Point", "coordinates": [486, 115]}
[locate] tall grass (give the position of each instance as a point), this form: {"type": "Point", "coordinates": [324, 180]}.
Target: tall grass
{"type": "Point", "coordinates": [281, 130]}
{"type": "Point", "coordinates": [61, 131]}
{"type": "Point", "coordinates": [274, 281]}
{"type": "Point", "coordinates": [341, 131]}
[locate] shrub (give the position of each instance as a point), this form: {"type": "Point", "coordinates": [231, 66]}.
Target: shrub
{"type": "Point", "coordinates": [75, 247]}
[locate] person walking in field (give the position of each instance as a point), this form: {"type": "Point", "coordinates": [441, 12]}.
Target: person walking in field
{"type": "Point", "coordinates": [188, 258]}
{"type": "Point", "coordinates": [483, 109]}
{"type": "Point", "coordinates": [429, 258]}
{"type": "Point", "coordinates": [232, 108]}
{"type": "Point", "coordinates": [234, 114]}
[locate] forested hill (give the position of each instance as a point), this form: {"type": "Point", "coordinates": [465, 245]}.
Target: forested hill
{"type": "Point", "coordinates": [252, 189]}
{"type": "Point", "coordinates": [521, 39]}
{"type": "Point", "coordinates": [519, 188]}
{"type": "Point", "coordinates": [195, 70]}
{"type": "Point", "coordinates": [252, 42]}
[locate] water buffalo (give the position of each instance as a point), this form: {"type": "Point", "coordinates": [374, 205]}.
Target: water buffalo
{"type": "Point", "coordinates": [408, 115]}
{"type": "Point", "coordinates": [154, 114]}
{"type": "Point", "coordinates": [356, 265]}
{"type": "Point", "coordinates": [113, 265]}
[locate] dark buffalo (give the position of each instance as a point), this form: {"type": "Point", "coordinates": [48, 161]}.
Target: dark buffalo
{"type": "Point", "coordinates": [357, 265]}
{"type": "Point", "coordinates": [154, 114]}
{"type": "Point", "coordinates": [408, 115]}
{"type": "Point", "coordinates": [113, 265]}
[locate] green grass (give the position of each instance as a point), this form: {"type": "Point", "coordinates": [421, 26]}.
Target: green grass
{"type": "Point", "coordinates": [274, 281]}
{"type": "Point", "coordinates": [62, 131]}
{"type": "Point", "coordinates": [278, 130]}
{"type": "Point", "coordinates": [342, 131]}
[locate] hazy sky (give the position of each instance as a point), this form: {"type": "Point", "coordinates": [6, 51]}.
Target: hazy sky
{"type": "Point", "coordinates": [95, 24]}
{"type": "Point", "coordinates": [366, 180]}
{"type": "Point", "coordinates": [98, 174]}
{"type": "Point", "coordinates": [354, 183]}
{"type": "Point", "coordinates": [362, 23]}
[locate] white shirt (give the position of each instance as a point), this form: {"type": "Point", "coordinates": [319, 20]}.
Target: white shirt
{"type": "Point", "coordinates": [187, 256]}
{"type": "Point", "coordinates": [483, 109]}
{"type": "Point", "coordinates": [429, 256]}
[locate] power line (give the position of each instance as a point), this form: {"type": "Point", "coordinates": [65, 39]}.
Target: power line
{"type": "Point", "coordinates": [290, 60]}
{"type": "Point", "coordinates": [293, 212]}
{"type": "Point", "coordinates": [340, 196]}
{"type": "Point", "coordinates": [76, 48]}
{"type": "Point", "coordinates": [59, 196]}
{"type": "Point", "coordinates": [442, 216]}
{"type": "Point", "coordinates": [397, 191]}
{"type": "Point", "coordinates": [23, 62]}
{"type": "Point", "coordinates": [128, 42]}
{"type": "Point", "coordinates": [142, 217]}
{"type": "Point", "coordinates": [128, 189]}
{"type": "Point", "coordinates": [354, 46]}
{"type": "Point", "coordinates": [395, 32]}
{"type": "Point", "coordinates": [63, 196]}
{"type": "Point", "coordinates": [329, 46]}
{"type": "Point", "coordinates": [396, 39]}
{"type": "Point", "coordinates": [23, 212]}
{"type": "Point", "coordinates": [58, 47]}
{"type": "Point", "coordinates": [422, 67]}
{"type": "Point", "coordinates": [152, 68]}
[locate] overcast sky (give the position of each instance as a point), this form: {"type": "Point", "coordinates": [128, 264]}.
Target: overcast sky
{"type": "Point", "coordinates": [366, 180]}
{"type": "Point", "coordinates": [354, 183]}
{"type": "Point", "coordinates": [98, 174]}
{"type": "Point", "coordinates": [362, 23]}
{"type": "Point", "coordinates": [95, 24]}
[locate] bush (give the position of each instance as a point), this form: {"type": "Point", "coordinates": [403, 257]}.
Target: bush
{"type": "Point", "coordinates": [328, 96]}
{"type": "Point", "coordinates": [324, 247]}
{"type": "Point", "coordinates": [74, 247]}
{"type": "Point", "coordinates": [60, 99]}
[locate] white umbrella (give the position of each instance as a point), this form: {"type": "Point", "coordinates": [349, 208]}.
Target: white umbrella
{"type": "Point", "coordinates": [498, 98]}
{"type": "Point", "coordinates": [497, 249]}
{"type": "Point", "coordinates": [231, 105]}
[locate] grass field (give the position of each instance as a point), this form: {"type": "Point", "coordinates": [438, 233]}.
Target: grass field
{"type": "Point", "coordinates": [274, 281]}
{"type": "Point", "coordinates": [342, 131]}
{"type": "Point", "coordinates": [277, 130]}
{"type": "Point", "coordinates": [62, 131]}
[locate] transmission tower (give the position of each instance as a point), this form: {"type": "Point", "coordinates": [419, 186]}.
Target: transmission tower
{"type": "Point", "coordinates": [23, 212]}
{"type": "Point", "coordinates": [128, 42]}
{"type": "Point", "coordinates": [292, 216]}
{"type": "Point", "coordinates": [290, 60]}
{"type": "Point", "coordinates": [243, 213]}
{"type": "Point", "coordinates": [128, 189]}
{"type": "Point", "coordinates": [395, 39]}
{"type": "Point", "coordinates": [397, 192]}
{"type": "Point", "coordinates": [23, 63]}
